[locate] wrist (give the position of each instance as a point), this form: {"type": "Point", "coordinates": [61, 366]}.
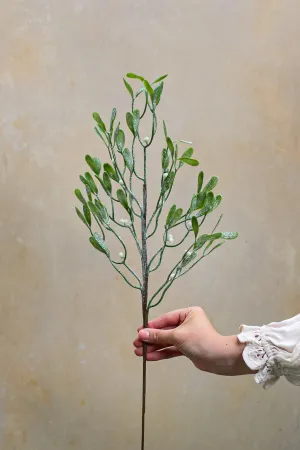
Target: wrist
{"type": "Point", "coordinates": [233, 354]}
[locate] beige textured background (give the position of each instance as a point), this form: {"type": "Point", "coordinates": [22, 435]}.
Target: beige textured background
{"type": "Point", "coordinates": [68, 376]}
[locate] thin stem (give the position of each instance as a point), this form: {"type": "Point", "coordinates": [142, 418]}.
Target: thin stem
{"type": "Point", "coordinates": [180, 242]}
{"type": "Point", "coordinates": [146, 104]}
{"type": "Point", "coordinates": [156, 222]}
{"type": "Point", "coordinates": [145, 273]}
{"type": "Point", "coordinates": [193, 265]}
{"type": "Point", "coordinates": [161, 251]}
{"type": "Point", "coordinates": [168, 278]}
{"type": "Point", "coordinates": [131, 228]}
{"type": "Point", "coordinates": [120, 240]}
{"type": "Point", "coordinates": [217, 224]}
{"type": "Point", "coordinates": [100, 226]}
{"type": "Point", "coordinates": [144, 389]}
{"type": "Point", "coordinates": [133, 161]}
{"type": "Point", "coordinates": [114, 160]}
{"type": "Point", "coordinates": [123, 276]}
{"type": "Point", "coordinates": [181, 221]}
{"type": "Point", "coordinates": [133, 273]}
{"type": "Point", "coordinates": [163, 293]}
{"type": "Point", "coordinates": [162, 286]}
{"type": "Point", "coordinates": [168, 283]}
{"type": "Point", "coordinates": [159, 208]}
{"type": "Point", "coordinates": [133, 232]}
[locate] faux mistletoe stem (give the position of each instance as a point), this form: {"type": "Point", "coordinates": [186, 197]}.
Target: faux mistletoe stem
{"type": "Point", "coordinates": [145, 274]}
{"type": "Point", "coordinates": [120, 174]}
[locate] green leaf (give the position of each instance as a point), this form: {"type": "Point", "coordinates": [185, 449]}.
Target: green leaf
{"type": "Point", "coordinates": [210, 243]}
{"type": "Point", "coordinates": [129, 121]}
{"type": "Point", "coordinates": [228, 235]}
{"type": "Point", "coordinates": [195, 226]}
{"type": "Point", "coordinates": [111, 172]}
{"type": "Point", "coordinates": [177, 216]}
{"type": "Point", "coordinates": [200, 181]}
{"type": "Point", "coordinates": [99, 121]}
{"type": "Point", "coordinates": [187, 154]}
{"type": "Point", "coordinates": [209, 204]}
{"type": "Point", "coordinates": [187, 259]}
{"type": "Point", "coordinates": [198, 201]}
{"type": "Point", "coordinates": [214, 248]}
{"type": "Point", "coordinates": [99, 210]}
{"type": "Point", "coordinates": [83, 180]}
{"type": "Point", "coordinates": [170, 215]}
{"type": "Point", "coordinates": [176, 152]}
{"type": "Point", "coordinates": [128, 159]}
{"type": "Point", "coordinates": [189, 161]}
{"type": "Point", "coordinates": [102, 184]}
{"type": "Point", "coordinates": [103, 212]}
{"type": "Point", "coordinates": [136, 120]}
{"type": "Point", "coordinates": [97, 242]}
{"type": "Point", "coordinates": [168, 182]}
{"type": "Point", "coordinates": [121, 196]}
{"type": "Point", "coordinates": [107, 182]}
{"type": "Point", "coordinates": [100, 135]}
{"type": "Point", "coordinates": [149, 89]}
{"type": "Point", "coordinates": [160, 78]}
{"type": "Point", "coordinates": [201, 199]}
{"type": "Point", "coordinates": [88, 192]}
{"type": "Point", "coordinates": [116, 131]}
{"type": "Point", "coordinates": [170, 145]}
{"type": "Point", "coordinates": [173, 216]}
{"type": "Point", "coordinates": [133, 75]}
{"type": "Point", "coordinates": [128, 87]}
{"type": "Point", "coordinates": [94, 163]}
{"type": "Point", "coordinates": [81, 216]}
{"type": "Point", "coordinates": [157, 94]}
{"type": "Point", "coordinates": [94, 210]}
{"type": "Point", "coordinates": [165, 159]}
{"type": "Point", "coordinates": [112, 119]}
{"type": "Point", "coordinates": [120, 140]}
{"type": "Point", "coordinates": [91, 183]}
{"type": "Point", "coordinates": [211, 184]}
{"type": "Point", "coordinates": [205, 238]}
{"type": "Point", "coordinates": [216, 202]}
{"type": "Point", "coordinates": [87, 214]}
{"type": "Point", "coordinates": [80, 196]}
{"type": "Point", "coordinates": [165, 129]}
{"type": "Point", "coordinates": [193, 206]}
{"type": "Point", "coordinates": [210, 200]}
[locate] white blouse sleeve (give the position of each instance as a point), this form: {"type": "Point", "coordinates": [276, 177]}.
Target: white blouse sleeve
{"type": "Point", "coordinates": [273, 350]}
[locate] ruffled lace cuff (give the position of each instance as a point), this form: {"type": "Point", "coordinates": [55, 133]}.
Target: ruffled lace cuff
{"type": "Point", "coordinates": [273, 350]}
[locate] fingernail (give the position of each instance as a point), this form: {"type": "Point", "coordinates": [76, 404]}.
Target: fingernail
{"type": "Point", "coordinates": [144, 334]}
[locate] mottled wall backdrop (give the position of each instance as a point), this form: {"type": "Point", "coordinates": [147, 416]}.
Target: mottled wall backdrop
{"type": "Point", "coordinates": [68, 376]}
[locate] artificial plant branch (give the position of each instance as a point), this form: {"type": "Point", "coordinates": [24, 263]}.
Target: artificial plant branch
{"type": "Point", "coordinates": [202, 203]}
{"type": "Point", "coordinates": [145, 273]}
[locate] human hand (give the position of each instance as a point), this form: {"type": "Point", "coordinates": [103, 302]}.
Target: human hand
{"type": "Point", "coordinates": [188, 332]}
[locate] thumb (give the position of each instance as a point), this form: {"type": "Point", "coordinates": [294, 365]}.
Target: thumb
{"type": "Point", "coordinates": [165, 338]}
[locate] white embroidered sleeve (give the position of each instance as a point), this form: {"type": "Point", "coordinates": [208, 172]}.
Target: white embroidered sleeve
{"type": "Point", "coordinates": [273, 350]}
